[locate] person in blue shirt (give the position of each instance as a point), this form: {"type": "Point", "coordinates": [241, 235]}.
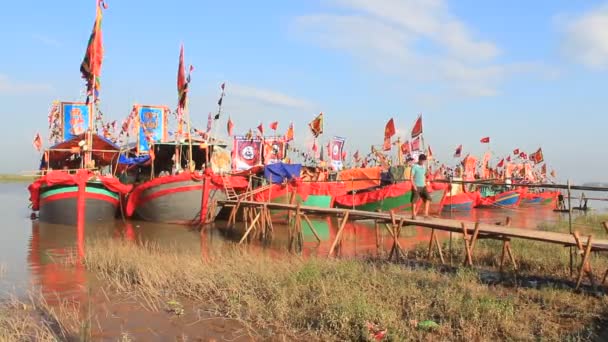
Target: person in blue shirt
{"type": "Point", "coordinates": [419, 188]}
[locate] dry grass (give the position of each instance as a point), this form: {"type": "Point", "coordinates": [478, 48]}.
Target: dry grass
{"type": "Point", "coordinates": [19, 322]}
{"type": "Point", "coordinates": [336, 299]}
{"type": "Point", "coordinates": [36, 320]}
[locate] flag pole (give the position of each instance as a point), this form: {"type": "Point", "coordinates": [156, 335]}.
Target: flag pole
{"type": "Point", "coordinates": [191, 167]}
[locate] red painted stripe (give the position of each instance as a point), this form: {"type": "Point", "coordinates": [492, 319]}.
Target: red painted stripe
{"type": "Point", "coordinates": [169, 191]}
{"type": "Point", "coordinates": [74, 194]}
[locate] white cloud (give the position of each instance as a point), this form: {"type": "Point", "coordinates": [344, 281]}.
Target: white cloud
{"type": "Point", "coordinates": [265, 96]}
{"type": "Point", "coordinates": [412, 39]}
{"type": "Point", "coordinates": [9, 86]}
{"type": "Point", "coordinates": [46, 40]}
{"type": "Point", "coordinates": [586, 38]}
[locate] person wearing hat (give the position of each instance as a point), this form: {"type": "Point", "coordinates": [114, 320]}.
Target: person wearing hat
{"type": "Point", "coordinates": [419, 188]}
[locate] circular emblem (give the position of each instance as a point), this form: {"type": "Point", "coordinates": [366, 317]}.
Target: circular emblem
{"type": "Point", "coordinates": [275, 149]}
{"type": "Point", "coordinates": [335, 150]}
{"type": "Point", "coordinates": [248, 153]}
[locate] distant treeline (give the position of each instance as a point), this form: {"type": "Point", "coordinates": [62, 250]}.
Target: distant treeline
{"type": "Point", "coordinates": [15, 178]}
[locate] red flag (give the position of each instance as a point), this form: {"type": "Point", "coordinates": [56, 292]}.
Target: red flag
{"type": "Point", "coordinates": [458, 151]}
{"type": "Point", "coordinates": [314, 147]}
{"type": "Point", "coordinates": [274, 125]}
{"type": "Point", "coordinates": [356, 156]}
{"type": "Point", "coordinates": [386, 146]}
{"type": "Point", "coordinates": [501, 163]}
{"type": "Point", "coordinates": [90, 68]}
{"type": "Point", "coordinates": [485, 140]}
{"type": "Point", "coordinates": [209, 122]}
{"type": "Point", "coordinates": [343, 155]}
{"type": "Point", "coordinates": [182, 85]}
{"type": "Point", "coordinates": [290, 134]}
{"type": "Point", "coordinates": [537, 157]}
{"type": "Point", "coordinates": [261, 129]}
{"type": "Point", "coordinates": [417, 129]}
{"type": "Point", "coordinates": [389, 129]}
{"type": "Point", "coordinates": [405, 147]}
{"type": "Point", "coordinates": [37, 142]}
{"type": "Point", "coordinates": [429, 152]}
{"type": "Point", "coordinates": [416, 144]}
{"type": "Point", "coordinates": [316, 125]}
{"type": "Point", "coordinates": [523, 155]}
{"type": "Point", "coordinates": [152, 152]}
{"type": "Point", "coordinates": [516, 152]}
{"type": "Point", "coordinates": [509, 158]}
{"type": "Point", "coordinates": [229, 127]}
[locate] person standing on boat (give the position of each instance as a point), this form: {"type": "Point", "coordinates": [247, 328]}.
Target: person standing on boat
{"type": "Point", "coordinates": [419, 188]}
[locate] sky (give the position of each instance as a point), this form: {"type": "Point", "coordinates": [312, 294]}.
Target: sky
{"type": "Point", "coordinates": [528, 74]}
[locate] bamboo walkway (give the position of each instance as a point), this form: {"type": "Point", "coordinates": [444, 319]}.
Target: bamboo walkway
{"type": "Point", "coordinates": [258, 220]}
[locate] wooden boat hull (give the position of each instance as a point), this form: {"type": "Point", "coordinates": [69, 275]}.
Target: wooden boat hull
{"type": "Point", "coordinates": [508, 199]}
{"type": "Point", "coordinates": [176, 201]}
{"type": "Point", "coordinates": [59, 204]}
{"type": "Point", "coordinates": [543, 198]}
{"type": "Point", "coordinates": [395, 197]}
{"type": "Point", "coordinates": [465, 201]}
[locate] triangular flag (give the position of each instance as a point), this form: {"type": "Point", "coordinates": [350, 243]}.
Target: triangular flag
{"type": "Point", "coordinates": [485, 140]}
{"type": "Point", "coordinates": [229, 126]}
{"type": "Point", "coordinates": [389, 129]}
{"type": "Point", "coordinates": [261, 129]}
{"type": "Point", "coordinates": [290, 133]}
{"type": "Point", "coordinates": [274, 125]}
{"type": "Point", "coordinates": [458, 151]}
{"type": "Point", "coordinates": [37, 142]}
{"type": "Point", "coordinates": [417, 129]}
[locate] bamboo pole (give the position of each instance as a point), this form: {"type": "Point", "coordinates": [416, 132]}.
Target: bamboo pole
{"type": "Point", "coordinates": [250, 228]}
{"type": "Point", "coordinates": [570, 226]}
{"type": "Point", "coordinates": [339, 233]}
{"type": "Point", "coordinates": [314, 231]}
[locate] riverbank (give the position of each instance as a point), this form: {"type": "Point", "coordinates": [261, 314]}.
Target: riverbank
{"type": "Point", "coordinates": [15, 178]}
{"type": "Point", "coordinates": [240, 294]}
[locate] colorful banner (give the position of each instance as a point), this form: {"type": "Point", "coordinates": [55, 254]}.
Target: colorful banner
{"type": "Point", "coordinates": [75, 119]}
{"type": "Point", "coordinates": [246, 153]}
{"type": "Point", "coordinates": [220, 160]}
{"type": "Point", "coordinates": [274, 150]}
{"type": "Point", "coordinates": [152, 126]}
{"type": "Point", "coordinates": [336, 148]}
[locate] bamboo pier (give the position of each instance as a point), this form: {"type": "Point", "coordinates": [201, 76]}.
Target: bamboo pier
{"type": "Point", "coordinates": [259, 221]}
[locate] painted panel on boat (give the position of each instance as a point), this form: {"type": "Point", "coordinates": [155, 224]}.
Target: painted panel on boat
{"type": "Point", "coordinates": [75, 119]}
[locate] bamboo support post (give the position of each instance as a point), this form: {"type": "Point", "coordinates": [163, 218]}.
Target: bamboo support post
{"type": "Point", "coordinates": [312, 228]}
{"type": "Point", "coordinates": [585, 265]}
{"type": "Point", "coordinates": [396, 248]}
{"type": "Point", "coordinates": [434, 241]}
{"type": "Point", "coordinates": [250, 228]}
{"type": "Point", "coordinates": [339, 233]}
{"type": "Point", "coordinates": [467, 245]}
{"type": "Point", "coordinates": [506, 249]}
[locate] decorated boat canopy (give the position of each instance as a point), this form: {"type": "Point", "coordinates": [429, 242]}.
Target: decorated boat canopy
{"type": "Point", "coordinates": [103, 151]}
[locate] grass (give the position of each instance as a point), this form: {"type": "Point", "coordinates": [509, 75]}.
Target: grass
{"type": "Point", "coordinates": [15, 178]}
{"type": "Point", "coordinates": [334, 299]}
{"type": "Point", "coordinates": [340, 299]}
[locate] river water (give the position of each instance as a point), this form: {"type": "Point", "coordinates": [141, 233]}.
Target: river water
{"type": "Point", "coordinates": [31, 252]}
